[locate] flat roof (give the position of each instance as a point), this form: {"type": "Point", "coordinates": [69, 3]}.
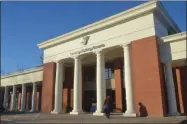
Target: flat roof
{"type": "Point", "coordinates": [23, 72]}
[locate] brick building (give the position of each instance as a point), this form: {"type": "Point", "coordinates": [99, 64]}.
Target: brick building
{"type": "Point", "coordinates": [136, 56]}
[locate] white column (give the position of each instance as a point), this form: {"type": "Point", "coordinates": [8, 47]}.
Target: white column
{"type": "Point", "coordinates": [103, 78]}
{"type": "Point", "coordinates": [172, 105]}
{"type": "Point", "coordinates": [58, 89]}
{"type": "Point", "coordinates": [100, 83]}
{"type": "Point", "coordinates": [34, 91]}
{"type": "Point", "coordinates": [23, 97]}
{"type": "Point", "coordinates": [128, 83]}
{"type": "Point", "coordinates": [77, 93]}
{"type": "Point", "coordinates": [13, 103]}
{"type": "Point", "coordinates": [6, 98]}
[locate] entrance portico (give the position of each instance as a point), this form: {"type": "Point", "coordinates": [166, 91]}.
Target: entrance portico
{"type": "Point", "coordinates": [84, 59]}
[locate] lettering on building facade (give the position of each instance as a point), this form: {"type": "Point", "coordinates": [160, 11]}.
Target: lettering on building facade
{"type": "Point", "coordinates": [87, 49]}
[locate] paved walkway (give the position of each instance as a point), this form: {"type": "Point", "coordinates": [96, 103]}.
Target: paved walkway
{"type": "Point", "coordinates": [86, 118]}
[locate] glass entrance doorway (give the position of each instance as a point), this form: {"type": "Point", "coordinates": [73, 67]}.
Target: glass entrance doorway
{"type": "Point", "coordinates": [90, 99]}
{"type": "Point", "coordinates": [111, 93]}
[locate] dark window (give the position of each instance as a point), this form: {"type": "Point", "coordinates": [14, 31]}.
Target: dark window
{"type": "Point", "coordinates": [109, 73]}
{"type": "Point", "coordinates": [89, 74]}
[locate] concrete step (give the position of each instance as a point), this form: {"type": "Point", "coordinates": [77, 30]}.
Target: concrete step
{"type": "Point", "coordinates": [89, 118]}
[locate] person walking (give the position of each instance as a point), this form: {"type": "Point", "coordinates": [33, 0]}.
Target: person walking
{"type": "Point", "coordinates": [107, 107]}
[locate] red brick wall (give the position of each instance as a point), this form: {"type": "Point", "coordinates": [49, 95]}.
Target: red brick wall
{"type": "Point", "coordinates": [19, 100]}
{"type": "Point", "coordinates": [10, 103]}
{"type": "Point", "coordinates": [83, 104]}
{"type": "Point", "coordinates": [71, 98]}
{"type": "Point", "coordinates": [147, 77]}
{"type": "Point", "coordinates": [65, 99]}
{"type": "Point", "coordinates": [67, 87]}
{"type": "Point", "coordinates": [49, 70]}
{"type": "Point", "coordinates": [2, 90]}
{"type": "Point", "coordinates": [118, 84]}
{"type": "Point", "coordinates": [180, 79]}
{"type": "Point", "coordinates": [28, 100]}
{"type": "Point", "coordinates": [37, 100]}
{"type": "Point", "coordinates": [39, 97]}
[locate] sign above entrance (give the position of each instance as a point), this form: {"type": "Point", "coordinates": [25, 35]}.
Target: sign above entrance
{"type": "Point", "coordinates": [85, 40]}
{"type": "Point", "coordinates": [87, 49]}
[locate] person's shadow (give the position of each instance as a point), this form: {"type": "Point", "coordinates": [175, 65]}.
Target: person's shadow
{"type": "Point", "coordinates": [142, 110]}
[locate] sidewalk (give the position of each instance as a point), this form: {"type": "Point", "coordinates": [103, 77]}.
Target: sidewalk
{"type": "Point", "coordinates": [89, 118]}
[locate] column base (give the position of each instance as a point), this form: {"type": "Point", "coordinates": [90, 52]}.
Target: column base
{"type": "Point", "coordinates": [174, 114]}
{"type": "Point", "coordinates": [55, 112]}
{"type": "Point", "coordinates": [98, 114]}
{"type": "Point", "coordinates": [76, 113]}
{"type": "Point", "coordinates": [13, 110]}
{"type": "Point", "coordinates": [129, 114]}
{"type": "Point", "coordinates": [6, 109]}
{"type": "Point", "coordinates": [21, 110]}
{"type": "Point", "coordinates": [32, 111]}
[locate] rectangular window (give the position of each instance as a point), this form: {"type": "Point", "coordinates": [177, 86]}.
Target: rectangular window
{"type": "Point", "coordinates": [109, 73]}
{"type": "Point", "coordinates": [122, 72]}
{"type": "Point", "coordinates": [89, 74]}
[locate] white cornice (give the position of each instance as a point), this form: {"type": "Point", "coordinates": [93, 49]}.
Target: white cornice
{"type": "Point", "coordinates": [173, 38]}
{"type": "Point", "coordinates": [131, 13]}
{"type": "Point", "coordinates": [23, 72]}
{"type": "Point", "coordinates": [150, 6]}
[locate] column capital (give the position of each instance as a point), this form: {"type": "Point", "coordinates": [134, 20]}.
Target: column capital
{"type": "Point", "coordinates": [77, 57]}
{"type": "Point", "coordinates": [169, 62]}
{"type": "Point", "coordinates": [34, 82]}
{"type": "Point", "coordinates": [98, 52]}
{"type": "Point", "coordinates": [6, 87]}
{"type": "Point", "coordinates": [125, 44]}
{"type": "Point", "coordinates": [58, 61]}
{"type": "Point", "coordinates": [166, 61]}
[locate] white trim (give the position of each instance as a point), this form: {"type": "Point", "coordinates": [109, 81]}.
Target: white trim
{"type": "Point", "coordinates": [174, 37]}
{"type": "Point", "coordinates": [98, 43]}
{"type": "Point", "coordinates": [23, 72]}
{"type": "Point", "coordinates": [126, 15]}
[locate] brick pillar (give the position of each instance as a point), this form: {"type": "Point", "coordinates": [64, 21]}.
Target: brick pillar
{"type": "Point", "coordinates": [37, 100]}
{"type": "Point", "coordinates": [181, 88]}
{"type": "Point", "coordinates": [118, 84]}
{"type": "Point", "coordinates": [70, 87]}
{"type": "Point", "coordinates": [28, 100]}
{"type": "Point", "coordinates": [49, 71]}
{"type": "Point", "coordinates": [65, 99]}
{"type": "Point", "coordinates": [183, 73]}
{"type": "Point", "coordinates": [19, 101]}
{"type": "Point", "coordinates": [2, 91]}
{"type": "Point", "coordinates": [71, 98]}
{"type": "Point", "coordinates": [83, 105]}
{"type": "Point", "coordinates": [67, 88]}
{"type": "Point", "coordinates": [147, 77]}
